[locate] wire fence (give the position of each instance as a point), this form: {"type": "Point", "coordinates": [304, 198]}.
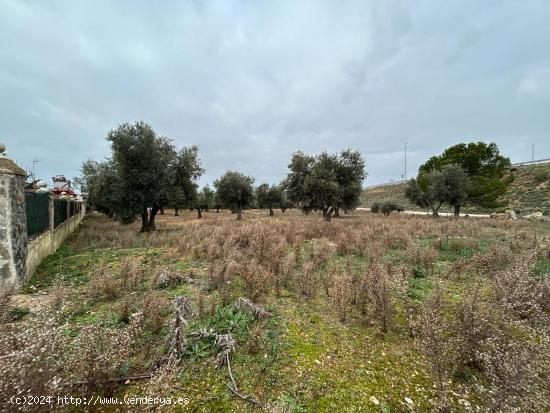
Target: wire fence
{"type": "Point", "coordinates": [74, 208]}
{"type": "Point", "coordinates": [59, 212]}
{"type": "Point", "coordinates": [38, 213]}
{"type": "Point", "coordinates": [37, 205]}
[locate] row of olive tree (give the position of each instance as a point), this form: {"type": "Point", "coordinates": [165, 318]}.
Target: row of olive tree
{"type": "Point", "coordinates": [473, 173]}
{"type": "Point", "coordinates": [146, 174]}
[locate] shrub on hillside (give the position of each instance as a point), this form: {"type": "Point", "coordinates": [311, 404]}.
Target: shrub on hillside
{"type": "Point", "coordinates": [542, 176]}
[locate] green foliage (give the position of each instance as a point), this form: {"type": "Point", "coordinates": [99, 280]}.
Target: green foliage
{"type": "Point", "coordinates": [145, 172]}
{"type": "Point", "coordinates": [269, 197]}
{"type": "Point", "coordinates": [186, 170]}
{"type": "Point", "coordinates": [205, 200]}
{"type": "Point", "coordinates": [432, 189]}
{"type": "Point", "coordinates": [229, 320]}
{"type": "Point", "coordinates": [389, 206]}
{"type": "Point", "coordinates": [16, 314]}
{"type": "Point", "coordinates": [100, 183]}
{"type": "Point", "coordinates": [482, 163]}
{"type": "Point", "coordinates": [419, 271]}
{"type": "Point", "coordinates": [386, 207]}
{"type": "Point", "coordinates": [458, 186]}
{"type": "Point", "coordinates": [300, 166]}
{"type": "Point", "coordinates": [235, 191]}
{"type": "Point", "coordinates": [428, 191]}
{"type": "Point", "coordinates": [289, 404]}
{"type": "Point", "coordinates": [542, 267]}
{"type": "Point", "coordinates": [325, 182]}
{"type": "Point", "coordinates": [419, 288]}
{"type": "Point", "coordinates": [541, 176]}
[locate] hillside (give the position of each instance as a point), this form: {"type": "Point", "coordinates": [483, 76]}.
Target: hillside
{"type": "Point", "coordinates": [529, 191]}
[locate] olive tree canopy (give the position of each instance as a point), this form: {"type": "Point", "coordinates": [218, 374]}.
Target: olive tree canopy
{"type": "Point", "coordinates": [235, 191]}
{"type": "Point", "coordinates": [144, 174]}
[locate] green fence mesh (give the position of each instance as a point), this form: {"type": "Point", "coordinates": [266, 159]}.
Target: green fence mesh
{"type": "Point", "coordinates": [38, 213]}
{"type": "Point", "coordinates": [75, 207]}
{"type": "Point", "coordinates": [59, 211]}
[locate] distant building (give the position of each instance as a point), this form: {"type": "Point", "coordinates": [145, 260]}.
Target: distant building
{"type": "Point", "coordinates": [62, 187]}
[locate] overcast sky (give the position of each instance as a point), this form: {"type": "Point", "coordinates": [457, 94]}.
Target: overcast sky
{"type": "Point", "coordinates": [251, 82]}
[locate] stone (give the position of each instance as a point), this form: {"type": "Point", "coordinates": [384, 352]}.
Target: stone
{"type": "Point", "coordinates": [534, 215]}
{"type": "Point", "coordinates": [409, 401]}
{"type": "Point", "coordinates": [511, 214]}
{"type": "Point", "coordinates": [374, 400]}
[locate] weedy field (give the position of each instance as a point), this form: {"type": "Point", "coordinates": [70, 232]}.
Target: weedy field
{"type": "Point", "coordinates": [289, 314]}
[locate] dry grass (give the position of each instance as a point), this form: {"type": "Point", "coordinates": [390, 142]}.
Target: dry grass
{"type": "Point", "coordinates": [370, 279]}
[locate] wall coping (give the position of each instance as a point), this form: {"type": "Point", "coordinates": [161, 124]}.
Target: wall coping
{"type": "Point", "coordinates": [7, 166]}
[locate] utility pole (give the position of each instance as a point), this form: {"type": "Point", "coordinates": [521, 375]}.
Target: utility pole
{"type": "Point", "coordinates": [34, 162]}
{"type": "Point", "coordinates": [533, 152]}
{"type": "Point", "coordinates": [405, 160]}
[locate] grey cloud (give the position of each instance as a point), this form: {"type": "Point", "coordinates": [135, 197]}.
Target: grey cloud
{"type": "Point", "coordinates": [252, 82]}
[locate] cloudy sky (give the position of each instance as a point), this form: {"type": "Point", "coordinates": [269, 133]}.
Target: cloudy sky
{"type": "Point", "coordinates": [250, 82]}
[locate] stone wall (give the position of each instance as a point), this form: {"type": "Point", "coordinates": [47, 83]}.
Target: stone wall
{"type": "Point", "coordinates": [13, 223]}
{"type": "Point", "coordinates": [19, 258]}
{"type": "Point", "coordinates": [48, 242]}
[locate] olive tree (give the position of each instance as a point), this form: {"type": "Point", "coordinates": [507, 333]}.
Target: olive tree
{"type": "Point", "coordinates": [294, 184]}
{"type": "Point", "coordinates": [433, 189]}
{"type": "Point", "coordinates": [186, 171]}
{"type": "Point", "coordinates": [325, 182]}
{"type": "Point", "coordinates": [99, 182]}
{"type": "Point", "coordinates": [204, 200]}
{"type": "Point", "coordinates": [269, 197]}
{"type": "Point", "coordinates": [235, 191]}
{"type": "Point", "coordinates": [484, 166]}
{"type": "Point", "coordinates": [350, 174]}
{"type": "Point", "coordinates": [458, 186]}
{"type": "Point", "coordinates": [144, 174]}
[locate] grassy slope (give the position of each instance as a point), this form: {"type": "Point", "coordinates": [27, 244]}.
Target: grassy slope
{"type": "Point", "coordinates": [525, 193]}
{"type": "Point", "coordinates": [529, 191]}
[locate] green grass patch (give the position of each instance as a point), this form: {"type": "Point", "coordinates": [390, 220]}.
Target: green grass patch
{"type": "Point", "coordinates": [419, 288]}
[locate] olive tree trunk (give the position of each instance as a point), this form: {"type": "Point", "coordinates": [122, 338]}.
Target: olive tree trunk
{"type": "Point", "coordinates": [148, 219]}
{"type": "Point", "coordinates": [327, 213]}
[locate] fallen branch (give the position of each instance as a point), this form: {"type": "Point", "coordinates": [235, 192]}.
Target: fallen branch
{"type": "Point", "coordinates": [235, 390]}
{"type": "Point", "coordinates": [226, 344]}
{"type": "Point", "coordinates": [144, 376]}
{"type": "Point", "coordinates": [176, 339]}
{"type": "Point", "coordinates": [244, 304]}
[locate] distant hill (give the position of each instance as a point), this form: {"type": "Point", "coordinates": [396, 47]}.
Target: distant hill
{"type": "Point", "coordinates": [529, 192]}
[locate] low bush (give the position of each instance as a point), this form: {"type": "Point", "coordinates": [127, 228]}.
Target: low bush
{"type": "Point", "coordinates": [103, 283]}
{"type": "Point", "coordinates": [542, 176]}
{"type": "Point", "coordinates": [386, 207]}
